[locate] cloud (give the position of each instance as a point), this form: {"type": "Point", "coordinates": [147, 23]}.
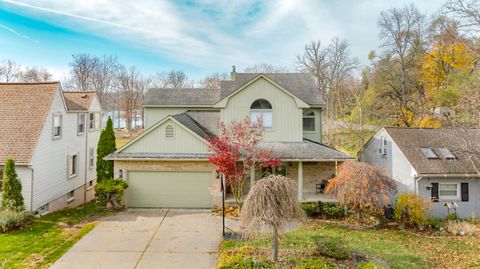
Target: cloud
{"type": "Point", "coordinates": [17, 33]}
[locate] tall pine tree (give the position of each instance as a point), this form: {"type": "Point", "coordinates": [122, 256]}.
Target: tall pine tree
{"type": "Point", "coordinates": [12, 187]}
{"type": "Point", "coordinates": [106, 146]}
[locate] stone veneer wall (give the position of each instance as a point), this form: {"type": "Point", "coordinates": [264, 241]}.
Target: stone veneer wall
{"type": "Point", "coordinates": [313, 173]}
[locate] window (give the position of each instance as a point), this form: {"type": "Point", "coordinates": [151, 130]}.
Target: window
{"type": "Point", "coordinates": [1, 179]}
{"type": "Point", "coordinates": [81, 124]}
{"type": "Point", "coordinates": [91, 158]}
{"type": "Point", "coordinates": [309, 121]}
{"type": "Point", "coordinates": [448, 191]}
{"type": "Point", "coordinates": [92, 121]}
{"type": "Point", "coordinates": [280, 170]}
{"type": "Point", "coordinates": [429, 153]}
{"type": "Point", "coordinates": [57, 126]}
{"type": "Point", "coordinates": [70, 194]}
{"type": "Point", "coordinates": [261, 109]}
{"type": "Point", "coordinates": [169, 132]}
{"type": "Point", "coordinates": [42, 210]}
{"type": "Point", "coordinates": [90, 183]}
{"type": "Point", "coordinates": [383, 146]}
{"type": "Point", "coordinates": [72, 165]}
{"type": "Point", "coordinates": [447, 154]}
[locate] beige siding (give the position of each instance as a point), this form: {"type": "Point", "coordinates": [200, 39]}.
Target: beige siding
{"type": "Point", "coordinates": [317, 134]}
{"type": "Point", "coordinates": [153, 115]}
{"type": "Point", "coordinates": [184, 141]}
{"type": "Point", "coordinates": [287, 117]}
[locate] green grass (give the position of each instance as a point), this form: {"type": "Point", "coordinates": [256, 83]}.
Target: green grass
{"type": "Point", "coordinates": [48, 238]}
{"type": "Point", "coordinates": [400, 249]}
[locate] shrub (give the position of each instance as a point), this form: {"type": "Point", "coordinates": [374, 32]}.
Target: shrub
{"type": "Point", "coordinates": [410, 209]}
{"type": "Point", "coordinates": [12, 220]}
{"type": "Point", "coordinates": [332, 247]}
{"type": "Point", "coordinates": [314, 263]}
{"type": "Point", "coordinates": [242, 258]}
{"type": "Point", "coordinates": [12, 197]}
{"type": "Point", "coordinates": [461, 228]}
{"type": "Point", "coordinates": [435, 223]}
{"type": "Point", "coordinates": [333, 211]}
{"type": "Point", "coordinates": [452, 216]}
{"type": "Point", "coordinates": [310, 208]}
{"type": "Point", "coordinates": [106, 146]}
{"type": "Point", "coordinates": [109, 192]}
{"type": "Point", "coordinates": [369, 265]}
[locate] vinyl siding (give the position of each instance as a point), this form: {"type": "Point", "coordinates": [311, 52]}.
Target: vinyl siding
{"type": "Point", "coordinates": [317, 134]}
{"type": "Point", "coordinates": [395, 163]}
{"type": "Point", "coordinates": [152, 115]}
{"type": "Point", "coordinates": [287, 117]}
{"type": "Point", "coordinates": [49, 160]}
{"type": "Point", "coordinates": [155, 141]}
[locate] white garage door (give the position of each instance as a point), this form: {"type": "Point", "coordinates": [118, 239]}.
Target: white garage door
{"type": "Point", "coordinates": [175, 189]}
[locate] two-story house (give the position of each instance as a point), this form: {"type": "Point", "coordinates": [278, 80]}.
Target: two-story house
{"type": "Point", "coordinates": [437, 164]}
{"type": "Point", "coordinates": [52, 135]}
{"type": "Point", "coordinates": [168, 165]}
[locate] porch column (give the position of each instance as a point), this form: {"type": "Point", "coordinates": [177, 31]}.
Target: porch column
{"type": "Point", "coordinates": [252, 176]}
{"type": "Point", "coordinates": [300, 181]}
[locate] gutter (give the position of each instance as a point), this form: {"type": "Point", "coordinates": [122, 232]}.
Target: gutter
{"type": "Point", "coordinates": [31, 187]}
{"type": "Point", "coordinates": [449, 175]}
{"type": "Point", "coordinates": [196, 159]}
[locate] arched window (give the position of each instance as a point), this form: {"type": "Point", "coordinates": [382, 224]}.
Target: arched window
{"type": "Point", "coordinates": [309, 121]}
{"type": "Point", "coordinates": [261, 109]}
{"type": "Point", "coordinates": [169, 132]}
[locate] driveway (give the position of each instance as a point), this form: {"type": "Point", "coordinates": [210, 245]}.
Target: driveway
{"type": "Point", "coordinates": [148, 238]}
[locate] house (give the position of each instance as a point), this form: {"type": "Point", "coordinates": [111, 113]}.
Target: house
{"type": "Point", "coordinates": [433, 163]}
{"type": "Point", "coordinates": [52, 136]}
{"type": "Point", "coordinates": [168, 165]}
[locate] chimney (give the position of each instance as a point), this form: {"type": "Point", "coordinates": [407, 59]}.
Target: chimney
{"type": "Point", "coordinates": [233, 73]}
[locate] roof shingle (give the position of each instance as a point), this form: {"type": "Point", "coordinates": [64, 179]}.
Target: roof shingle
{"type": "Point", "coordinates": [78, 101]}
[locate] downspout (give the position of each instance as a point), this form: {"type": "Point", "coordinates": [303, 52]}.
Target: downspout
{"type": "Point", "coordinates": [86, 160]}
{"type": "Point", "coordinates": [31, 188]}
{"type": "Point", "coordinates": [416, 184]}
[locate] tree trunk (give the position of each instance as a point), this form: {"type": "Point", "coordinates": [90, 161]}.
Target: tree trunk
{"type": "Point", "coordinates": [275, 245]}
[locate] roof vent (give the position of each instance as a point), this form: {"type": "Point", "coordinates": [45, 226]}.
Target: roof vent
{"type": "Point", "coordinates": [84, 96]}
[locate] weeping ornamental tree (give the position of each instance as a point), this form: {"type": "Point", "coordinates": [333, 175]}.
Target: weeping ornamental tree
{"type": "Point", "coordinates": [12, 187]}
{"type": "Point", "coordinates": [106, 146]}
{"type": "Point", "coordinates": [362, 187]}
{"type": "Point", "coordinates": [271, 207]}
{"type": "Point", "coordinates": [236, 150]}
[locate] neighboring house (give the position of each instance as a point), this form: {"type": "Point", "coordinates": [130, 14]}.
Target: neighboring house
{"type": "Point", "coordinates": [52, 136]}
{"type": "Point", "coordinates": [432, 163]}
{"type": "Point", "coordinates": [168, 165]}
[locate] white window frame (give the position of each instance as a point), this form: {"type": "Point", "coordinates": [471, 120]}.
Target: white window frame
{"type": "Point", "coordinates": [173, 132]}
{"type": "Point", "coordinates": [79, 117]}
{"type": "Point", "coordinates": [449, 197]}
{"type": "Point", "coordinates": [70, 196]}
{"type": "Point", "coordinates": [262, 112]}
{"type": "Point", "coordinates": [306, 116]}
{"type": "Point", "coordinates": [55, 115]}
{"type": "Point", "coordinates": [70, 172]}
{"type": "Point", "coordinates": [383, 146]}
{"type": "Point", "coordinates": [91, 158]}
{"type": "Point", "coordinates": [91, 121]}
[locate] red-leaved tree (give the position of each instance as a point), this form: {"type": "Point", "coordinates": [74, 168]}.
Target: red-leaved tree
{"type": "Point", "coordinates": [362, 187]}
{"type": "Point", "coordinates": [236, 150]}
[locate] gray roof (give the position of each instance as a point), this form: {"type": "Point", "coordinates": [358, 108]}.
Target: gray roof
{"type": "Point", "coordinates": [304, 150]}
{"type": "Point", "coordinates": [300, 85]}
{"type": "Point", "coordinates": [202, 122]}
{"type": "Point", "coordinates": [458, 141]}
{"type": "Point", "coordinates": [157, 156]}
{"type": "Point", "coordinates": [186, 97]}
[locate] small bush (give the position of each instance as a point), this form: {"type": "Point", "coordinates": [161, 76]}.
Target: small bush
{"type": "Point", "coordinates": [410, 209]}
{"type": "Point", "coordinates": [452, 216]}
{"type": "Point", "coordinates": [109, 192]}
{"type": "Point", "coordinates": [369, 265]}
{"type": "Point", "coordinates": [461, 228]}
{"type": "Point", "coordinates": [333, 211]}
{"type": "Point", "coordinates": [242, 258]}
{"type": "Point", "coordinates": [314, 263]}
{"type": "Point", "coordinates": [310, 208]}
{"type": "Point", "coordinates": [11, 220]}
{"type": "Point", "coordinates": [332, 247]}
{"type": "Point", "coordinates": [434, 223]}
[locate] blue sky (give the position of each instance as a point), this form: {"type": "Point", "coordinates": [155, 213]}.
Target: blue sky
{"type": "Point", "coordinates": [198, 37]}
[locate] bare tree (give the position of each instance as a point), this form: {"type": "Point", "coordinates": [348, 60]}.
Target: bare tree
{"type": "Point", "coordinates": [315, 61]}
{"type": "Point", "coordinates": [9, 70]}
{"type": "Point", "coordinates": [265, 68]}
{"type": "Point", "coordinates": [172, 79]}
{"type": "Point", "coordinates": [212, 81]}
{"type": "Point", "coordinates": [102, 77]}
{"type": "Point", "coordinates": [34, 74]}
{"type": "Point", "coordinates": [466, 14]}
{"type": "Point", "coordinates": [83, 66]}
{"type": "Point", "coordinates": [130, 87]}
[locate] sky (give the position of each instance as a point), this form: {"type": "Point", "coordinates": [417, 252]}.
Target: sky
{"type": "Point", "coordinates": [198, 37]}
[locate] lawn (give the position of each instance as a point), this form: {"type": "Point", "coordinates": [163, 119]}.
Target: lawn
{"type": "Point", "coordinates": [400, 249]}
{"type": "Point", "coordinates": [48, 238]}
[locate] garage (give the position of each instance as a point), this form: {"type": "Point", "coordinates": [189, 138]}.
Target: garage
{"type": "Point", "coordinates": [170, 189]}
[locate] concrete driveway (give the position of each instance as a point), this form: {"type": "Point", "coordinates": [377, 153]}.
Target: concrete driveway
{"type": "Point", "coordinates": [148, 238]}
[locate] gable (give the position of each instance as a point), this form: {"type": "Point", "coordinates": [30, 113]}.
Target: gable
{"type": "Point", "coordinates": [155, 140]}
{"type": "Point", "coordinates": [266, 84]}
